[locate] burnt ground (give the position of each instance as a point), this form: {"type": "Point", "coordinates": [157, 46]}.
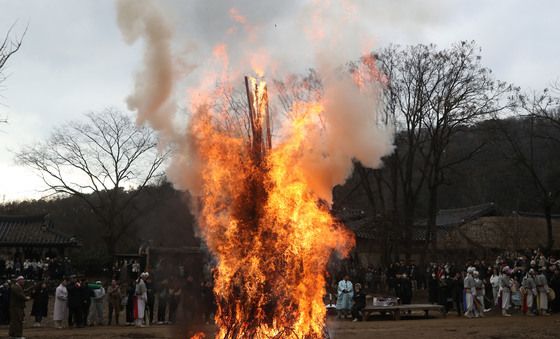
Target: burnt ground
{"type": "Point", "coordinates": [493, 326]}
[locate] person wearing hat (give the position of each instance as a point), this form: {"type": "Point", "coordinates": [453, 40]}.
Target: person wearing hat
{"type": "Point", "coordinates": [529, 291]}
{"type": "Point", "coordinates": [17, 304]}
{"type": "Point", "coordinates": [470, 292]}
{"type": "Point", "coordinates": [505, 290]}
{"type": "Point", "coordinates": [542, 291]}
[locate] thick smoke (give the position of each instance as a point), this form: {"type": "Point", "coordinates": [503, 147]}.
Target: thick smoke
{"type": "Point", "coordinates": [280, 42]}
{"type": "Point", "coordinates": [154, 84]}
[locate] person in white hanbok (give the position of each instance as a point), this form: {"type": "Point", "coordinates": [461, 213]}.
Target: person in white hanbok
{"type": "Point", "coordinates": [529, 290]}
{"type": "Point", "coordinates": [344, 300]}
{"type": "Point", "coordinates": [478, 300]}
{"type": "Point", "coordinates": [60, 304]}
{"type": "Point", "coordinates": [505, 284]}
{"type": "Point", "coordinates": [495, 282]}
{"type": "Point", "coordinates": [141, 296]}
{"type": "Point", "coordinates": [542, 292]}
{"type": "Point", "coordinates": [470, 293]}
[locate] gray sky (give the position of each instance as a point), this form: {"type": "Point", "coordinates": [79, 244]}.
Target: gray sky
{"type": "Point", "coordinates": [74, 60]}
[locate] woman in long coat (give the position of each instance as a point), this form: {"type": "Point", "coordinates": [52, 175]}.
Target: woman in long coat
{"type": "Point", "coordinates": [40, 305]}
{"type": "Point", "coordinates": [60, 304]}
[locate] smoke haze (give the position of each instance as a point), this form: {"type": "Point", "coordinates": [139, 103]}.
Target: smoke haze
{"type": "Point", "coordinates": [223, 41]}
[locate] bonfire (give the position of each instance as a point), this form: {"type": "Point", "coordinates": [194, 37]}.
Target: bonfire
{"type": "Point", "coordinates": [272, 237]}
{"type": "Point", "coordinates": [262, 184]}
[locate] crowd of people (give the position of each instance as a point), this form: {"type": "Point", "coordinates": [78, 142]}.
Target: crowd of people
{"type": "Point", "coordinates": [78, 302]}
{"type": "Point", "coordinates": [528, 282]}
{"type": "Point", "coordinates": [141, 300]}
{"type": "Point", "coordinates": [525, 281]}
{"type": "Point", "coordinates": [35, 268]}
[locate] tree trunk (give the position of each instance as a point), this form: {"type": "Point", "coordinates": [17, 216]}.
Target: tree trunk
{"type": "Point", "coordinates": [395, 217]}
{"type": "Point", "coordinates": [548, 217]}
{"type": "Point", "coordinates": [431, 230]}
{"type": "Point", "coordinates": [408, 222]}
{"type": "Point", "coordinates": [111, 244]}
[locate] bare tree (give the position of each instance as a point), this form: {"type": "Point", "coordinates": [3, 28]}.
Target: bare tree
{"type": "Point", "coordinates": [531, 140]}
{"type": "Point", "coordinates": [8, 48]}
{"type": "Point", "coordinates": [528, 149]}
{"type": "Point", "coordinates": [412, 79]}
{"type": "Point", "coordinates": [106, 161]}
{"type": "Point", "coordinates": [465, 93]}
{"type": "Point", "coordinates": [431, 96]}
{"type": "Point", "coordinates": [545, 107]}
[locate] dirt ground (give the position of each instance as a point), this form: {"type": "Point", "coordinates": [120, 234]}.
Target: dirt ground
{"type": "Point", "coordinates": [493, 326]}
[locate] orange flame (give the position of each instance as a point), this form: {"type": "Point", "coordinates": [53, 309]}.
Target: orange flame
{"type": "Point", "coordinates": [269, 231]}
{"type": "Point", "coordinates": [199, 335]}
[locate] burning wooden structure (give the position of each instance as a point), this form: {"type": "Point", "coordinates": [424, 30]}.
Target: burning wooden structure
{"type": "Point", "coordinates": [259, 118]}
{"type": "Point", "coordinates": [270, 235]}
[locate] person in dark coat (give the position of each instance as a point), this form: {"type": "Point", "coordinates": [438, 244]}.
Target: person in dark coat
{"type": "Point", "coordinates": [86, 294]}
{"type": "Point", "coordinates": [444, 292]}
{"type": "Point", "coordinates": [130, 293]}
{"type": "Point", "coordinates": [406, 289]}
{"type": "Point", "coordinates": [190, 294]}
{"type": "Point", "coordinates": [458, 287]}
{"type": "Point", "coordinates": [4, 304]}
{"type": "Point", "coordinates": [17, 304]}
{"type": "Point", "coordinates": [359, 300]}
{"type": "Point", "coordinates": [75, 315]}
{"type": "Point", "coordinates": [40, 305]}
{"type": "Point", "coordinates": [163, 297]}
{"type": "Point", "coordinates": [433, 286]}
{"type": "Point", "coordinates": [209, 307]}
{"type": "Point", "coordinates": [555, 285]}
{"type": "Point", "coordinates": [174, 300]}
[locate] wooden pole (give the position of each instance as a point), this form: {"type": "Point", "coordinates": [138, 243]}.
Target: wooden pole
{"type": "Point", "coordinates": [259, 116]}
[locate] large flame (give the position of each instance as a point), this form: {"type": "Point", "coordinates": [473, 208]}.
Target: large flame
{"type": "Point", "coordinates": [271, 235]}
{"type": "Point", "coordinates": [263, 201]}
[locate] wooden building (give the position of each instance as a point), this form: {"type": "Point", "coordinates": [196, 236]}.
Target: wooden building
{"type": "Point", "coordinates": [462, 233]}
{"type": "Point", "coordinates": [32, 236]}
{"type": "Point", "coordinates": [495, 234]}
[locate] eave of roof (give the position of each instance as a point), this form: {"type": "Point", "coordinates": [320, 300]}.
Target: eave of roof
{"type": "Point", "coordinates": [32, 230]}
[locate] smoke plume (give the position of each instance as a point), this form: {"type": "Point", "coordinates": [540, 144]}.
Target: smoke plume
{"type": "Point", "coordinates": [155, 82]}
{"type": "Point", "coordinates": [262, 212]}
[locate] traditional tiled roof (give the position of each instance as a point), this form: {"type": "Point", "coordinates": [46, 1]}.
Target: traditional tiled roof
{"type": "Point", "coordinates": [357, 221]}
{"type": "Point", "coordinates": [365, 227]}
{"type": "Point", "coordinates": [35, 230]}
{"type": "Point", "coordinates": [459, 216]}
{"type": "Point", "coordinates": [536, 215]}
{"type": "Point", "coordinates": [347, 214]}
